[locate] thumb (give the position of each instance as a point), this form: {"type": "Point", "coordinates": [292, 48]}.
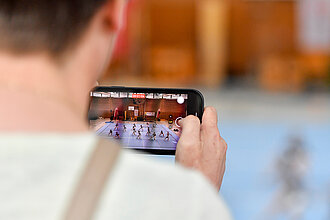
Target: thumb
{"type": "Point", "coordinates": [190, 127]}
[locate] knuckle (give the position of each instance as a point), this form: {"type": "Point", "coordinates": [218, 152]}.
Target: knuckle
{"type": "Point", "coordinates": [213, 135]}
{"type": "Point", "coordinates": [187, 145]}
{"type": "Point", "coordinates": [222, 146]}
{"type": "Point", "coordinates": [217, 136]}
{"type": "Point", "coordinates": [210, 126]}
{"type": "Point", "coordinates": [213, 126]}
{"type": "Point", "coordinates": [224, 143]}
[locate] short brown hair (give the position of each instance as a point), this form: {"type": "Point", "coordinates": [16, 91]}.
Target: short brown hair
{"type": "Point", "coordinates": [50, 25]}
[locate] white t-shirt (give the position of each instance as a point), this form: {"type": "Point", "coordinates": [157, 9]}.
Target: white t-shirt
{"type": "Point", "coordinates": [38, 173]}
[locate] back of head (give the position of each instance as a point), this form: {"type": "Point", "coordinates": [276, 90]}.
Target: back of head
{"type": "Point", "coordinates": [44, 25]}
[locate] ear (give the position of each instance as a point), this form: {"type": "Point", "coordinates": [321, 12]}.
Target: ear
{"type": "Point", "coordinates": [112, 14]}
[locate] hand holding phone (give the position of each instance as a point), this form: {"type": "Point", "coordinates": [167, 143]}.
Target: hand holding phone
{"type": "Point", "coordinates": [201, 147]}
{"type": "Point", "coordinates": [153, 119]}
{"type": "Point", "coordinates": [144, 119]}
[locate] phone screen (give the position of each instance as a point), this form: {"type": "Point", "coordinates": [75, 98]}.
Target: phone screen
{"type": "Point", "coordinates": [139, 120]}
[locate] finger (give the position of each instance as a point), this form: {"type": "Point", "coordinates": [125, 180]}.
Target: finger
{"type": "Point", "coordinates": [189, 148]}
{"type": "Point", "coordinates": [190, 127]}
{"type": "Point", "coordinates": [210, 134]}
{"type": "Point", "coordinates": [225, 145]}
{"type": "Point", "coordinates": [210, 117]}
{"type": "Point", "coordinates": [209, 125]}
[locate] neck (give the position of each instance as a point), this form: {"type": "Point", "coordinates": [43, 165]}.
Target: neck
{"type": "Point", "coordinates": [38, 95]}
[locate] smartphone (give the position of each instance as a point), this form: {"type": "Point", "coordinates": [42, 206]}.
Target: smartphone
{"type": "Point", "coordinates": [144, 119]}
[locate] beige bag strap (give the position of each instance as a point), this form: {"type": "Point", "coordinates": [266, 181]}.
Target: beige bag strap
{"type": "Point", "coordinates": [86, 196]}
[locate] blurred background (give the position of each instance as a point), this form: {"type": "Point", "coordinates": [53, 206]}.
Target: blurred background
{"type": "Point", "coordinates": [265, 66]}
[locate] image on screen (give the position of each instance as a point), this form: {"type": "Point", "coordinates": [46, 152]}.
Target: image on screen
{"type": "Point", "coordinates": [138, 120]}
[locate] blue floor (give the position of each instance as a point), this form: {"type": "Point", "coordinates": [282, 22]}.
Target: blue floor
{"type": "Point", "coordinates": [249, 186]}
{"type": "Point", "coordinates": [129, 140]}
